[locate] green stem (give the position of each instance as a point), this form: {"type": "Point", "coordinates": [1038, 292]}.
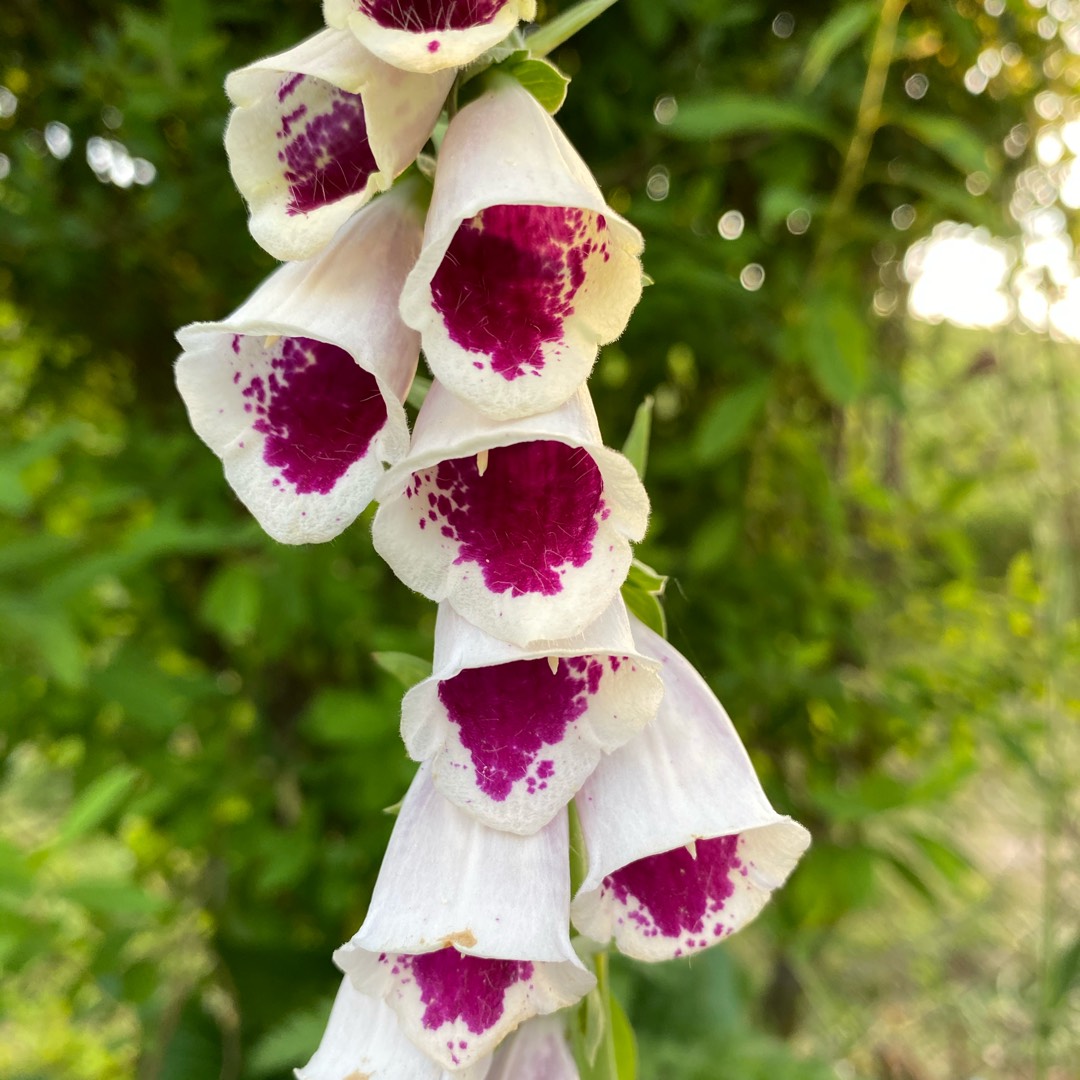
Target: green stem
{"type": "Point", "coordinates": [867, 121]}
{"type": "Point", "coordinates": [563, 27]}
{"type": "Point", "coordinates": [608, 1061]}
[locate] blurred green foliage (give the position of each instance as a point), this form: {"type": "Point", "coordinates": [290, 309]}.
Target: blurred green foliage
{"type": "Point", "coordinates": [870, 530]}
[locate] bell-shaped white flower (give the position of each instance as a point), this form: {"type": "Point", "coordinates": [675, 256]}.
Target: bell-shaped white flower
{"type": "Point", "coordinates": [466, 935]}
{"type": "Point", "coordinates": [512, 733]}
{"type": "Point", "coordinates": [683, 846]}
{"type": "Point", "coordinates": [317, 131]}
{"type": "Point", "coordinates": [362, 1039]}
{"type": "Point", "coordinates": [523, 526]}
{"type": "Point", "coordinates": [536, 1051]}
{"type": "Point", "coordinates": [428, 35]}
{"type": "Point", "coordinates": [299, 391]}
{"type": "Point", "coordinates": [525, 270]}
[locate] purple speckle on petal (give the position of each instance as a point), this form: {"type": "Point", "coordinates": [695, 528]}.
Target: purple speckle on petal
{"type": "Point", "coordinates": [509, 279]}
{"type": "Point", "coordinates": [506, 714]}
{"type": "Point", "coordinates": [324, 144]}
{"type": "Point", "coordinates": [424, 16]}
{"type": "Point", "coordinates": [469, 988]}
{"type": "Point", "coordinates": [676, 891]}
{"type": "Point", "coordinates": [318, 410]}
{"type": "Point", "coordinates": [535, 509]}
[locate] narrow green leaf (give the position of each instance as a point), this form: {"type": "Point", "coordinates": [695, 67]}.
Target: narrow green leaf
{"type": "Point", "coordinates": [729, 421]}
{"type": "Point", "coordinates": [1064, 974]}
{"type": "Point", "coordinates": [101, 798]}
{"type": "Point", "coordinates": [407, 669]}
{"type": "Point", "coordinates": [626, 1055]}
{"type": "Point", "coordinates": [636, 447]}
{"type": "Point", "coordinates": [723, 115]}
{"type": "Point", "coordinates": [910, 876]}
{"type": "Point", "coordinates": [595, 1025]}
{"type": "Point", "coordinates": [841, 29]}
{"type": "Point", "coordinates": [542, 79]}
{"type": "Point", "coordinates": [647, 608]}
{"type": "Point", "coordinates": [953, 139]}
{"type": "Point", "coordinates": [418, 391]}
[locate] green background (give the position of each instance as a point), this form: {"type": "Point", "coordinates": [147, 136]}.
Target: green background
{"type": "Point", "coordinates": [871, 525]}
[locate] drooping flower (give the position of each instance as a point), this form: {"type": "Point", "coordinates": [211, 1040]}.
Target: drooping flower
{"type": "Point", "coordinates": [525, 270]}
{"type": "Point", "coordinates": [428, 35]}
{"type": "Point", "coordinates": [299, 391]}
{"type": "Point", "coordinates": [317, 131]}
{"type": "Point", "coordinates": [362, 1039]}
{"type": "Point", "coordinates": [512, 733]}
{"type": "Point", "coordinates": [683, 846]}
{"type": "Point", "coordinates": [536, 1051]}
{"type": "Point", "coordinates": [523, 526]}
{"type": "Point", "coordinates": [466, 935]}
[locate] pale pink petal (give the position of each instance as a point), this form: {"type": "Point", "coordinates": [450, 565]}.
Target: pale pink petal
{"type": "Point", "coordinates": [362, 1041]}
{"type": "Point", "coordinates": [523, 526]}
{"type": "Point", "coordinates": [466, 935]}
{"type": "Point", "coordinates": [512, 733]}
{"type": "Point", "coordinates": [525, 270]}
{"type": "Point", "coordinates": [299, 391]}
{"type": "Point", "coordinates": [683, 846]}
{"type": "Point", "coordinates": [536, 1051]}
{"type": "Point", "coordinates": [428, 35]}
{"type": "Point", "coordinates": [317, 131]}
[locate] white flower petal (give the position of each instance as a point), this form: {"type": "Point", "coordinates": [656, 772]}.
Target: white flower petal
{"type": "Point", "coordinates": [513, 733]}
{"type": "Point", "coordinates": [466, 935]}
{"type": "Point", "coordinates": [317, 131]}
{"type": "Point", "coordinates": [299, 391]}
{"type": "Point", "coordinates": [536, 1051]}
{"type": "Point", "coordinates": [685, 780]}
{"type": "Point", "coordinates": [525, 270]}
{"type": "Point", "coordinates": [428, 35]}
{"type": "Point", "coordinates": [362, 1039]}
{"type": "Point", "coordinates": [532, 542]}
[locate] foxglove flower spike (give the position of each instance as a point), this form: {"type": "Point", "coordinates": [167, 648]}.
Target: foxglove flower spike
{"type": "Point", "coordinates": [537, 547]}
{"type": "Point", "coordinates": [683, 846]}
{"type": "Point", "coordinates": [513, 733]}
{"type": "Point", "coordinates": [299, 391]}
{"type": "Point", "coordinates": [317, 131]}
{"type": "Point", "coordinates": [428, 35]}
{"type": "Point", "coordinates": [466, 935]}
{"type": "Point", "coordinates": [525, 270]}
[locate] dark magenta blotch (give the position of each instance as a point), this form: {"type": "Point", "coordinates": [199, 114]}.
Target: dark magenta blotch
{"type": "Point", "coordinates": [535, 511]}
{"type": "Point", "coordinates": [506, 714]}
{"type": "Point", "coordinates": [319, 411]}
{"type": "Point", "coordinates": [677, 890]}
{"type": "Point", "coordinates": [326, 154]}
{"type": "Point", "coordinates": [470, 988]}
{"type": "Point", "coordinates": [509, 279]}
{"type": "Point", "coordinates": [425, 16]}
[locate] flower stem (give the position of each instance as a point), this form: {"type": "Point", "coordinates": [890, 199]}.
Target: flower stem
{"type": "Point", "coordinates": [608, 1061]}
{"type": "Point", "coordinates": [563, 27]}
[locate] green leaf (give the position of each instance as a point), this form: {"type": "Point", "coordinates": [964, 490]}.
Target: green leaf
{"type": "Point", "coordinates": [729, 421]}
{"type": "Point", "coordinates": [418, 391]}
{"type": "Point", "coordinates": [102, 797]}
{"type": "Point", "coordinates": [1064, 974]}
{"type": "Point", "coordinates": [542, 79]}
{"type": "Point", "coordinates": [951, 137]}
{"type": "Point", "coordinates": [291, 1041]}
{"type": "Point", "coordinates": [407, 669]}
{"type": "Point", "coordinates": [636, 447]}
{"type": "Point", "coordinates": [231, 603]}
{"type": "Point", "coordinates": [724, 115]}
{"type": "Point", "coordinates": [643, 591]}
{"type": "Point", "coordinates": [841, 29]}
{"type": "Point", "coordinates": [836, 344]}
{"type": "Point", "coordinates": [626, 1055]}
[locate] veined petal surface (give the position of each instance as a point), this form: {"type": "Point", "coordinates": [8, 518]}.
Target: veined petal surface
{"type": "Point", "coordinates": [362, 1039]}
{"type": "Point", "coordinates": [299, 391]}
{"type": "Point", "coordinates": [525, 270]}
{"type": "Point", "coordinates": [317, 131]}
{"type": "Point", "coordinates": [684, 848]}
{"type": "Point", "coordinates": [428, 35]}
{"type": "Point", "coordinates": [523, 526]}
{"type": "Point", "coordinates": [466, 935]}
{"type": "Point", "coordinates": [512, 733]}
{"type": "Point", "coordinates": [538, 1050]}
